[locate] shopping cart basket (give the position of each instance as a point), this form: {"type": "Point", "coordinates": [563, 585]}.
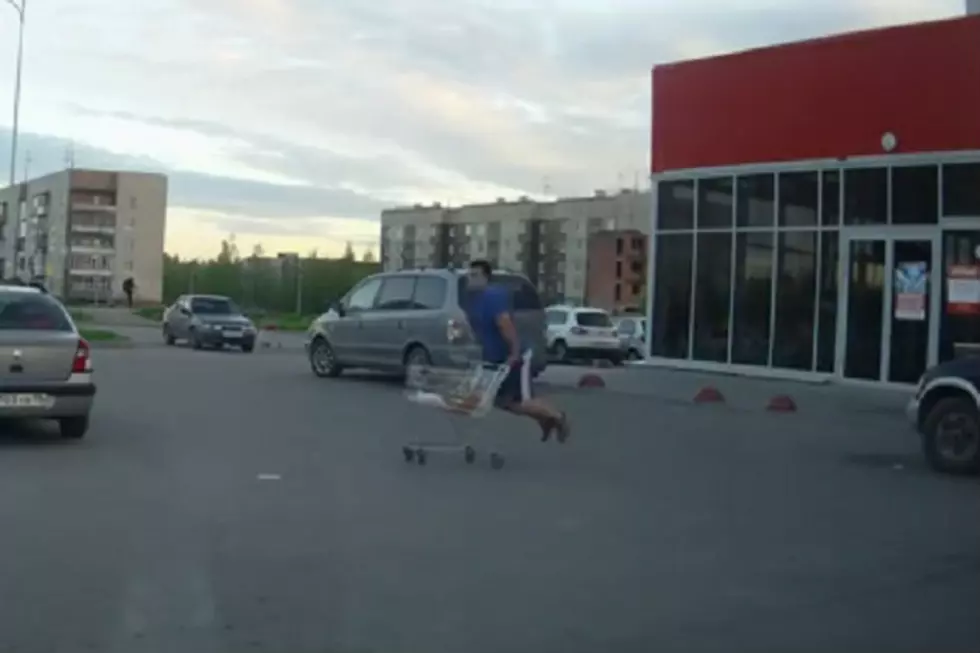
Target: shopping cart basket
{"type": "Point", "coordinates": [468, 393]}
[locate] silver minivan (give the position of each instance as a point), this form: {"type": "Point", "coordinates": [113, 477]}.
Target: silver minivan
{"type": "Point", "coordinates": [392, 320]}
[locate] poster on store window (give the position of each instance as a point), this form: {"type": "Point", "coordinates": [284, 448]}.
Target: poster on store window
{"type": "Point", "coordinates": [963, 290]}
{"type": "Point", "coordinates": [910, 291]}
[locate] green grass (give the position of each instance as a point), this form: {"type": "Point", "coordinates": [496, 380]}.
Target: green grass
{"type": "Point", "coordinates": [79, 316]}
{"type": "Point", "coordinates": [101, 335]}
{"type": "Point", "coordinates": [154, 313]}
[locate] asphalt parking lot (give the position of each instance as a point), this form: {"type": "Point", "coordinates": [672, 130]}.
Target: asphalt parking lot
{"type": "Point", "coordinates": [228, 502]}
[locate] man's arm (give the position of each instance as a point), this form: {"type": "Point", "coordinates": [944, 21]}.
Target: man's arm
{"type": "Point", "coordinates": [505, 323]}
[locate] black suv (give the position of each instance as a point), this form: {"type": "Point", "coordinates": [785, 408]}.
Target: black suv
{"type": "Point", "coordinates": [946, 412]}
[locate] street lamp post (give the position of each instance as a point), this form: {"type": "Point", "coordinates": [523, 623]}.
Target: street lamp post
{"type": "Point", "coordinates": [21, 8]}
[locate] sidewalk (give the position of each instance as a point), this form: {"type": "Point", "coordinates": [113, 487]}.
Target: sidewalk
{"type": "Point", "coordinates": [739, 392]}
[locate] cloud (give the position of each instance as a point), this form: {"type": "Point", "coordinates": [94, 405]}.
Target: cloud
{"type": "Point", "coordinates": [282, 112]}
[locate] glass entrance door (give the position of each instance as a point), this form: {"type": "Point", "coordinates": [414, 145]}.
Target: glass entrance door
{"type": "Point", "coordinates": [889, 311]}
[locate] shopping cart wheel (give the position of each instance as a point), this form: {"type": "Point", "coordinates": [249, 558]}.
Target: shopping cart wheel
{"type": "Point", "coordinates": [408, 453]}
{"type": "Point", "coordinates": [420, 456]}
{"type": "Point", "coordinates": [469, 455]}
{"type": "Point", "coordinates": [496, 461]}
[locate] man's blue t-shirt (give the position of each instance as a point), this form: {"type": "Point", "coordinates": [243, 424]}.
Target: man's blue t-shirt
{"type": "Point", "coordinates": [482, 310]}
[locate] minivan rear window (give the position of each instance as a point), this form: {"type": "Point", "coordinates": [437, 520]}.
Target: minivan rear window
{"type": "Point", "coordinates": [524, 296]}
{"type": "Point", "coordinates": [593, 319]}
{"type": "Point", "coordinates": [30, 312]}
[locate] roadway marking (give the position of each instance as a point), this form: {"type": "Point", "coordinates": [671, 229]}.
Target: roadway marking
{"type": "Point", "coordinates": [269, 477]}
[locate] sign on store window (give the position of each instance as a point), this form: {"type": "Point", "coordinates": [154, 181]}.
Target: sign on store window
{"type": "Point", "coordinates": [963, 290]}
{"type": "Point", "coordinates": [911, 280]}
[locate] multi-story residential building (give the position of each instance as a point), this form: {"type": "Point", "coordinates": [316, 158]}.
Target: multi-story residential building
{"type": "Point", "coordinates": [548, 241]}
{"type": "Point", "coordinates": [84, 232]}
{"type": "Point", "coordinates": [617, 270]}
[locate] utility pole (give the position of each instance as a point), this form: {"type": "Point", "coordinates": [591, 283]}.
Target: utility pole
{"type": "Point", "coordinates": [21, 9]}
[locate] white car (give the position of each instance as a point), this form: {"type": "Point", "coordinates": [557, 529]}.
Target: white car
{"type": "Point", "coordinates": [582, 333]}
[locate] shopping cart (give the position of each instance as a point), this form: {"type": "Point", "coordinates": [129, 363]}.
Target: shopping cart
{"type": "Point", "coordinates": [466, 393]}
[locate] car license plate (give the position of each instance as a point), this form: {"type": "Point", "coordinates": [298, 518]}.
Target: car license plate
{"type": "Point", "coordinates": [26, 401]}
{"type": "Point", "coordinates": [233, 333]}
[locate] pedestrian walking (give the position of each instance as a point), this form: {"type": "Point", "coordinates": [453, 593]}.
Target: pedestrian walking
{"type": "Point", "coordinates": [128, 287]}
{"type": "Point", "coordinates": [488, 309]}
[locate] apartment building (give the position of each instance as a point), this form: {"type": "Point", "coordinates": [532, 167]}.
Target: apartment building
{"type": "Point", "coordinates": [617, 270]}
{"type": "Point", "coordinates": [548, 241]}
{"type": "Point", "coordinates": [84, 232]}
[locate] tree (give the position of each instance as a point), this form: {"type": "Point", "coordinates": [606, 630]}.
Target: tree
{"type": "Point", "coordinates": [368, 256]}
{"type": "Point", "coordinates": [257, 285]}
{"type": "Point", "coordinates": [348, 252]}
{"type": "Point", "coordinates": [229, 250]}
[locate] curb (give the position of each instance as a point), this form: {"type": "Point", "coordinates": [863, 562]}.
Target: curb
{"type": "Point", "coordinates": [628, 394]}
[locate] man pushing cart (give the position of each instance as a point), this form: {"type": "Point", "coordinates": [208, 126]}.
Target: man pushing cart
{"type": "Point", "coordinates": [488, 309]}
{"type": "Point", "coordinates": [502, 379]}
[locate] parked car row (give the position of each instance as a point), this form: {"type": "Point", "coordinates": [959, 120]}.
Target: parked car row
{"type": "Point", "coordinates": [583, 333]}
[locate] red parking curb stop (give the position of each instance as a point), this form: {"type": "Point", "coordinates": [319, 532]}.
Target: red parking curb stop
{"type": "Point", "coordinates": [591, 381]}
{"type": "Point", "coordinates": [270, 327]}
{"type": "Point", "coordinates": [782, 404]}
{"type": "Point", "coordinates": [709, 395]}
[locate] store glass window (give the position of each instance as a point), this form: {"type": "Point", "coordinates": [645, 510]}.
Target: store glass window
{"type": "Point", "coordinates": [712, 295]}
{"type": "Point", "coordinates": [795, 300]}
{"type": "Point", "coordinates": [959, 324]}
{"type": "Point", "coordinates": [672, 295]}
{"type": "Point", "coordinates": [827, 307]}
{"type": "Point", "coordinates": [756, 201]}
{"type": "Point", "coordinates": [866, 196]}
{"type": "Point", "coordinates": [798, 199]}
{"type": "Point", "coordinates": [915, 195]}
{"type": "Point", "coordinates": [675, 204]}
{"type": "Point", "coordinates": [830, 196]}
{"type": "Point", "coordinates": [753, 298]}
{"type": "Point", "coordinates": [961, 190]}
{"type": "Point", "coordinates": [715, 203]}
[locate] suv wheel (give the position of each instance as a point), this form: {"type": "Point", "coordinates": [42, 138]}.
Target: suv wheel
{"type": "Point", "coordinates": [634, 355]}
{"type": "Point", "coordinates": [323, 361]}
{"type": "Point", "coordinates": [951, 436]}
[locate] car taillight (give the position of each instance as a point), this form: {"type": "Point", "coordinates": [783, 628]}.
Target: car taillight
{"type": "Point", "coordinates": [579, 331]}
{"type": "Point", "coordinates": [83, 358]}
{"type": "Point", "coordinates": [456, 330]}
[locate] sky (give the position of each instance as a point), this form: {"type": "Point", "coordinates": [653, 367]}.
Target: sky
{"type": "Point", "coordinates": [293, 123]}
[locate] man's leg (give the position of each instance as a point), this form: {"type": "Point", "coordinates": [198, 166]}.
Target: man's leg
{"type": "Point", "coordinates": [516, 397]}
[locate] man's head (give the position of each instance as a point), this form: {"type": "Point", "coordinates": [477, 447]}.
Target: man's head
{"type": "Point", "coordinates": [479, 274]}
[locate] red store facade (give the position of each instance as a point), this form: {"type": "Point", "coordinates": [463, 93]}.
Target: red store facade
{"type": "Point", "coordinates": [816, 204]}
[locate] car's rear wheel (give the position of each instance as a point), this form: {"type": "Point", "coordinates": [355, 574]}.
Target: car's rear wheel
{"type": "Point", "coordinates": [634, 355]}
{"type": "Point", "coordinates": [248, 348]}
{"type": "Point", "coordinates": [951, 436]}
{"type": "Point", "coordinates": [73, 428]}
{"type": "Point", "coordinates": [323, 360]}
